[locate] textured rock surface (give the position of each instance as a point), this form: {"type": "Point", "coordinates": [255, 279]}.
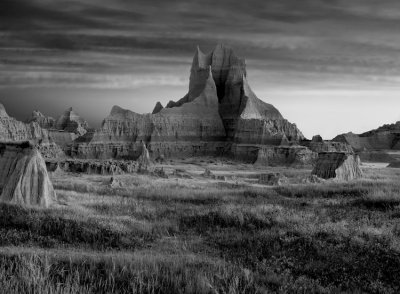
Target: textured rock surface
{"type": "Point", "coordinates": [24, 178]}
{"type": "Point", "coordinates": [71, 122]}
{"type": "Point", "coordinates": [45, 122]}
{"type": "Point", "coordinates": [337, 165]}
{"type": "Point", "coordinates": [279, 155]}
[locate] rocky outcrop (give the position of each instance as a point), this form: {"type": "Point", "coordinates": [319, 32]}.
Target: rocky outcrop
{"type": "Point", "coordinates": [281, 155]}
{"type": "Point", "coordinates": [71, 122]}
{"type": "Point", "coordinates": [12, 130]}
{"type": "Point", "coordinates": [337, 165]}
{"type": "Point", "coordinates": [157, 108]}
{"type": "Point", "coordinates": [45, 122]}
{"type": "Point", "coordinates": [24, 178]}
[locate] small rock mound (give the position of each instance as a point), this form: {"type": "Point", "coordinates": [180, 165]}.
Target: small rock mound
{"type": "Point", "coordinates": [28, 181]}
{"type": "Point", "coordinates": [337, 165]}
{"type": "Point", "coordinates": [272, 179]}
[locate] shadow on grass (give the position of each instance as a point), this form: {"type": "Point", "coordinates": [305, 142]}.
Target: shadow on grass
{"type": "Point", "coordinates": [22, 225]}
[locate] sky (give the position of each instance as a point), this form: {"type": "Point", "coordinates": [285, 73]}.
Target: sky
{"type": "Point", "coordinates": [330, 66]}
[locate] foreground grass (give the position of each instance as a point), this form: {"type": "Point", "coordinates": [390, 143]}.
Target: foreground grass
{"type": "Point", "coordinates": [191, 236]}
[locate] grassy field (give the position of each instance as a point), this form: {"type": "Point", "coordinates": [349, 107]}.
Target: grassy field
{"type": "Point", "coordinates": [182, 235]}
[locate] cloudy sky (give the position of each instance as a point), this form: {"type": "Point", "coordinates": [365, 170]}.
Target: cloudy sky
{"type": "Point", "coordinates": [330, 66]}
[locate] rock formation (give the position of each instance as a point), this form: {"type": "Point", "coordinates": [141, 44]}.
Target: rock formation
{"type": "Point", "coordinates": [194, 128]}
{"type": "Point", "coordinates": [71, 122]}
{"type": "Point", "coordinates": [337, 165]}
{"type": "Point", "coordinates": [157, 108]}
{"type": "Point", "coordinates": [45, 122]}
{"type": "Point", "coordinates": [219, 113]}
{"type": "Point", "coordinates": [12, 130]}
{"type": "Point", "coordinates": [24, 178]}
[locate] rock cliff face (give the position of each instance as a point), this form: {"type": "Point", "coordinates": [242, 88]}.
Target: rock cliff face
{"type": "Point", "coordinates": [24, 178]}
{"type": "Point", "coordinates": [337, 165]}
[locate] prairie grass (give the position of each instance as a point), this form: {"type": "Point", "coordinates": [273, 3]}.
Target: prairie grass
{"type": "Point", "coordinates": [200, 236]}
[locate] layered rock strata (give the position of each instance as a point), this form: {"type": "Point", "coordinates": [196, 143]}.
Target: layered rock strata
{"type": "Point", "coordinates": [23, 177]}
{"type": "Point", "coordinates": [337, 165]}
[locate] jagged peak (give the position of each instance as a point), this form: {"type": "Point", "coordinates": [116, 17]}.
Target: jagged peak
{"type": "Point", "coordinates": [200, 60]}
{"type": "Point", "coordinates": [117, 109]}
{"type": "Point", "coordinates": [157, 108]}
{"type": "Point", "coordinates": [3, 112]}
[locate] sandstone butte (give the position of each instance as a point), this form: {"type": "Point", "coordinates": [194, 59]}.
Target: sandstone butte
{"type": "Point", "coordinates": [23, 176]}
{"type": "Point", "coordinates": [220, 115]}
